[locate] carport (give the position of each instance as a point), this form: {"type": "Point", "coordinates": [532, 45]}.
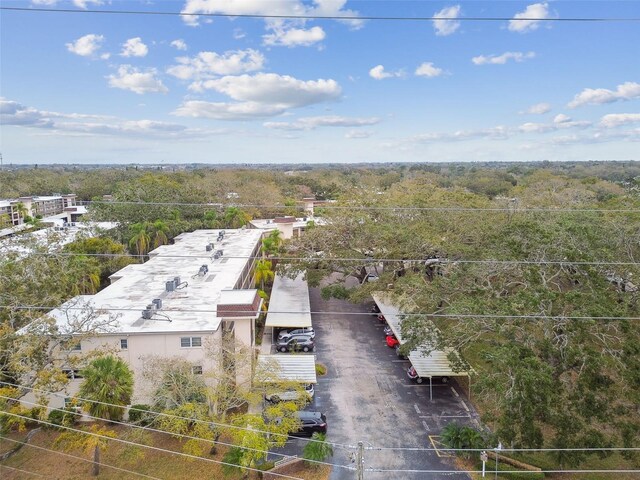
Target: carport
{"type": "Point", "coordinates": [289, 303]}
{"type": "Point", "coordinates": [299, 368]}
{"type": "Point", "coordinates": [435, 364]}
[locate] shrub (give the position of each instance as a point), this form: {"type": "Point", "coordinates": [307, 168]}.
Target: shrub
{"type": "Point", "coordinates": [321, 369]}
{"type": "Point", "coordinates": [265, 466]}
{"type": "Point", "coordinates": [141, 414]}
{"type": "Point", "coordinates": [62, 417]}
{"type": "Point", "coordinates": [232, 460]}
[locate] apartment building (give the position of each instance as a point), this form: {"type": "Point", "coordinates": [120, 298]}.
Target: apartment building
{"type": "Point", "coordinates": [177, 304]}
{"type": "Point", "coordinates": [40, 206]}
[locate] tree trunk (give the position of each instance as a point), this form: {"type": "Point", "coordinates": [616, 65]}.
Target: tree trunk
{"type": "Point", "coordinates": [214, 445]}
{"type": "Point", "coordinates": [96, 461]}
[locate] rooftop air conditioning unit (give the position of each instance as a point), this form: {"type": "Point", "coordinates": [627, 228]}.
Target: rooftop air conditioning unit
{"type": "Point", "coordinates": [147, 313]}
{"type": "Point", "coordinates": [157, 302]}
{"type": "Point", "coordinates": [176, 281]}
{"type": "Point", "coordinates": [203, 270]}
{"type": "Point", "coordinates": [209, 247]}
{"type": "Point", "coordinates": [170, 286]}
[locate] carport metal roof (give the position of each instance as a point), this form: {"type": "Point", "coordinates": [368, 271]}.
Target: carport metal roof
{"type": "Point", "coordinates": [289, 295]}
{"type": "Point", "coordinates": [301, 368]}
{"type": "Point", "coordinates": [436, 364]}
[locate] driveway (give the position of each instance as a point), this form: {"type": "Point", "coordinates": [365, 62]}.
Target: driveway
{"type": "Point", "coordinates": [367, 397]}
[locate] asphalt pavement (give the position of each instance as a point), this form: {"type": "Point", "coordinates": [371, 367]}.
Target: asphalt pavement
{"type": "Point", "coordinates": [367, 397]}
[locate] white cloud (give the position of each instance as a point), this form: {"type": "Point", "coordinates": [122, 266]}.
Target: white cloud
{"type": "Point", "coordinates": [209, 64]}
{"type": "Point", "coordinates": [238, 33]}
{"type": "Point", "coordinates": [499, 132]}
{"type": "Point", "coordinates": [84, 3]}
{"type": "Point", "coordinates": [86, 46]}
{"type": "Point", "coordinates": [378, 72]}
{"type": "Point", "coordinates": [357, 134]}
{"type": "Point", "coordinates": [134, 47]}
{"type": "Point", "coordinates": [228, 111]}
{"type": "Point", "coordinates": [617, 119]}
{"type": "Point", "coordinates": [561, 118]}
{"type": "Point", "coordinates": [536, 10]}
{"type": "Point", "coordinates": [311, 123]}
{"type": "Point", "coordinates": [502, 59]}
{"type": "Point", "coordinates": [427, 69]}
{"type": "Point", "coordinates": [560, 121]}
{"type": "Point", "coordinates": [274, 89]}
{"type": "Point", "coordinates": [179, 44]}
{"type": "Point", "coordinates": [294, 37]}
{"type": "Point", "coordinates": [447, 27]}
{"type": "Point", "coordinates": [135, 80]}
{"type": "Point", "coordinates": [538, 109]}
{"type": "Point", "coordinates": [599, 96]}
{"type": "Point", "coordinates": [16, 114]}
{"type": "Point", "coordinates": [334, 8]}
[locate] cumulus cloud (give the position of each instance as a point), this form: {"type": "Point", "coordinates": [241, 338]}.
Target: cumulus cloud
{"type": "Point", "coordinates": [536, 11]}
{"type": "Point", "coordinates": [294, 37]}
{"type": "Point", "coordinates": [210, 64]}
{"type": "Point", "coordinates": [446, 27]}
{"type": "Point", "coordinates": [274, 89]}
{"type": "Point", "coordinates": [228, 111]}
{"type": "Point", "coordinates": [538, 109]}
{"type": "Point", "coordinates": [502, 59]}
{"type": "Point", "coordinates": [311, 123]}
{"type": "Point", "coordinates": [599, 96]}
{"type": "Point", "coordinates": [16, 114]}
{"type": "Point", "coordinates": [134, 48]}
{"type": "Point", "coordinates": [84, 4]}
{"type": "Point", "coordinates": [428, 69]}
{"type": "Point", "coordinates": [617, 119]}
{"type": "Point", "coordinates": [378, 72]}
{"type": "Point", "coordinates": [137, 81]}
{"type": "Point", "coordinates": [179, 44]}
{"type": "Point", "coordinates": [560, 121]}
{"type": "Point", "coordinates": [86, 46]}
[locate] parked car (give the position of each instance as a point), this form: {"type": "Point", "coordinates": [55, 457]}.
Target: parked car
{"type": "Point", "coordinates": [311, 422]}
{"type": "Point", "coordinates": [295, 343]}
{"type": "Point", "coordinates": [298, 331]}
{"type": "Point", "coordinates": [381, 318]}
{"type": "Point", "coordinates": [291, 395]}
{"type": "Point", "coordinates": [413, 375]}
{"type": "Point", "coordinates": [371, 277]}
{"type": "Point", "coordinates": [392, 341]}
{"type": "Point", "coordinates": [375, 310]}
{"type": "Point", "coordinates": [388, 331]}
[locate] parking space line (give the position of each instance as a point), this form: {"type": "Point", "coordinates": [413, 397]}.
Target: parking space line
{"type": "Point", "coordinates": [435, 443]}
{"type": "Point", "coordinates": [454, 392]}
{"type": "Point", "coordinates": [464, 405]}
{"type": "Point", "coordinates": [415, 405]}
{"type": "Point", "coordinates": [426, 426]}
{"type": "Point", "coordinates": [455, 416]}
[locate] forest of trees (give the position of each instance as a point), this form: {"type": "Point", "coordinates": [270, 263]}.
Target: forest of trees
{"type": "Point", "coordinates": [554, 251]}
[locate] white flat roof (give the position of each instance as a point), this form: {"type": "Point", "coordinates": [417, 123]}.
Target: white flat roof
{"type": "Point", "coordinates": [300, 368]}
{"type": "Point", "coordinates": [269, 224]}
{"type": "Point", "coordinates": [435, 364]}
{"type": "Point", "coordinates": [289, 295]}
{"type": "Point", "coordinates": [191, 307]}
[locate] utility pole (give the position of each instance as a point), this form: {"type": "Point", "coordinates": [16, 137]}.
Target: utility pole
{"type": "Point", "coordinates": [360, 461]}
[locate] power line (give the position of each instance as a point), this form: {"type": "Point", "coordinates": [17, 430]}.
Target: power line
{"type": "Point", "coordinates": [21, 471]}
{"type": "Point", "coordinates": [255, 312]}
{"type": "Point", "coordinates": [151, 447]}
{"type": "Point", "coordinates": [326, 17]}
{"type": "Point", "coordinates": [506, 449]}
{"type": "Point", "coordinates": [513, 209]}
{"type": "Point", "coordinates": [150, 429]}
{"type": "Point", "coordinates": [500, 471]}
{"type": "Point", "coordinates": [333, 444]}
{"type": "Point", "coordinates": [440, 261]}
{"type": "Point", "coordinates": [81, 458]}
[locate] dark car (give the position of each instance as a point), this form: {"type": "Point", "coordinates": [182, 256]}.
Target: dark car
{"type": "Point", "coordinates": [413, 375]}
{"type": "Point", "coordinates": [311, 422]}
{"type": "Point", "coordinates": [388, 331]}
{"type": "Point", "coordinates": [295, 343]}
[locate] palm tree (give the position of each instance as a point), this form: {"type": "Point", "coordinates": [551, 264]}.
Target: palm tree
{"type": "Point", "coordinates": [107, 380]}
{"type": "Point", "coordinates": [140, 240]}
{"type": "Point", "coordinates": [21, 209]}
{"type": "Point", "coordinates": [263, 272]}
{"type": "Point", "coordinates": [160, 231]}
{"type": "Point", "coordinates": [272, 243]}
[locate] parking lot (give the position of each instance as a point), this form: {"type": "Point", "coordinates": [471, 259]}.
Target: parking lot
{"type": "Point", "coordinates": [367, 397]}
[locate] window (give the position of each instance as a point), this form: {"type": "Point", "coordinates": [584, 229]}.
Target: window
{"type": "Point", "coordinates": [197, 370]}
{"type": "Point", "coordinates": [124, 344]}
{"type": "Point", "coordinates": [72, 373]}
{"type": "Point", "coordinates": [187, 342]}
{"type": "Point", "coordinates": [75, 346]}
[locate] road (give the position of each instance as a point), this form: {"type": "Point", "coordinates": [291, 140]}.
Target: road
{"type": "Point", "coordinates": [367, 397]}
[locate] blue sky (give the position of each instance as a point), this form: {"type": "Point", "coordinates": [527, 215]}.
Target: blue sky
{"type": "Point", "coordinates": [96, 88]}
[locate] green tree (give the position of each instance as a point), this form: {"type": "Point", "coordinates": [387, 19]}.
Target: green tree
{"type": "Point", "coordinates": [140, 239]}
{"type": "Point", "coordinates": [22, 210]}
{"type": "Point", "coordinates": [90, 442]}
{"type": "Point", "coordinates": [317, 450]}
{"type": "Point", "coordinates": [272, 243]}
{"type": "Point", "coordinates": [107, 380]}
{"type": "Point", "coordinates": [264, 273]}
{"type": "Point", "coordinates": [159, 232]}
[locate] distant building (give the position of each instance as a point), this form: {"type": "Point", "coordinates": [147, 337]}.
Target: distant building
{"type": "Point", "coordinates": [175, 305]}
{"type": "Point", "coordinates": [41, 207]}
